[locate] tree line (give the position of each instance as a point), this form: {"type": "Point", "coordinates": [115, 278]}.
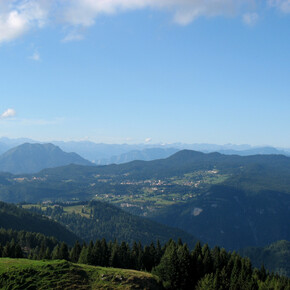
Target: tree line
{"type": "Point", "coordinates": [175, 265]}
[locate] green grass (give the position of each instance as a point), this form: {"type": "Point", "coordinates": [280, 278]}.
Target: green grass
{"type": "Point", "coordinates": [30, 274]}
{"type": "Point", "coordinates": [78, 209]}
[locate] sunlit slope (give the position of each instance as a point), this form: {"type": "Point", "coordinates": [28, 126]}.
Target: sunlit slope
{"type": "Point", "coordinates": [24, 274]}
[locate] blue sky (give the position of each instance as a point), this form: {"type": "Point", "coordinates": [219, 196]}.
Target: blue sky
{"type": "Point", "coordinates": [126, 71]}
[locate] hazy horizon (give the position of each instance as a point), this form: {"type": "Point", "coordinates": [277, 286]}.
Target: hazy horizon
{"type": "Point", "coordinates": [148, 144]}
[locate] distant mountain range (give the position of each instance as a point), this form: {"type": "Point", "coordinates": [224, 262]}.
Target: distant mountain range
{"type": "Point", "coordinates": [31, 158]}
{"type": "Point", "coordinates": [103, 154]}
{"type": "Point", "coordinates": [145, 155]}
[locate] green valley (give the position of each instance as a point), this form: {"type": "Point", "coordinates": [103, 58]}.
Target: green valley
{"type": "Point", "coordinates": [188, 190]}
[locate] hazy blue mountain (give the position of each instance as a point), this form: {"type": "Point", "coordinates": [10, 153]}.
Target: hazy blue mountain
{"type": "Point", "coordinates": [96, 151]}
{"type": "Point", "coordinates": [7, 143]}
{"type": "Point", "coordinates": [3, 148]}
{"type": "Point", "coordinates": [103, 154]}
{"type": "Point", "coordinates": [207, 148]}
{"type": "Point", "coordinates": [255, 151]}
{"type": "Point", "coordinates": [31, 158]}
{"type": "Point", "coordinates": [145, 155]}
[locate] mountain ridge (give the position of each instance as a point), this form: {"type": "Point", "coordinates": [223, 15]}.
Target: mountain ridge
{"type": "Point", "coordinates": [33, 157]}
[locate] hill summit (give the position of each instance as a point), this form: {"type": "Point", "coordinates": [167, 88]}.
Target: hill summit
{"type": "Point", "coordinates": [31, 158]}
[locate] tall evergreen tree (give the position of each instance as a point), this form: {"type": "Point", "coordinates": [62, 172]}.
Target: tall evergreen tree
{"type": "Point", "coordinates": [63, 252]}
{"type": "Point", "coordinates": [83, 258]}
{"type": "Point", "coordinates": [75, 252]}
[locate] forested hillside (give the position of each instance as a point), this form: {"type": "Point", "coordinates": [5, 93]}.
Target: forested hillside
{"type": "Point", "coordinates": [229, 217]}
{"type": "Point", "coordinates": [274, 257]}
{"type": "Point", "coordinates": [12, 217]}
{"type": "Point", "coordinates": [97, 220]}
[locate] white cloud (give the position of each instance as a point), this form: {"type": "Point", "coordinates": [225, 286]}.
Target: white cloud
{"type": "Point", "coordinates": [19, 16]}
{"type": "Point", "coordinates": [35, 56]}
{"type": "Point", "coordinates": [9, 113]}
{"type": "Point", "coordinates": [84, 12]}
{"type": "Point", "coordinates": [147, 140]}
{"type": "Point", "coordinates": [250, 18]}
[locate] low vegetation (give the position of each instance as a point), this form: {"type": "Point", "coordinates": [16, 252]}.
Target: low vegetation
{"type": "Point", "coordinates": [61, 274]}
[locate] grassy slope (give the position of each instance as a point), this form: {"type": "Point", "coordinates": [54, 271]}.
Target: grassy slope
{"type": "Point", "coordinates": [29, 274]}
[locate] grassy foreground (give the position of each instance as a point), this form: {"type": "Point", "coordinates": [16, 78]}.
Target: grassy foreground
{"type": "Point", "coordinates": [60, 274]}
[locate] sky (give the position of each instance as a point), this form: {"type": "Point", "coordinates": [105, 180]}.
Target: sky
{"type": "Point", "coordinates": [154, 71]}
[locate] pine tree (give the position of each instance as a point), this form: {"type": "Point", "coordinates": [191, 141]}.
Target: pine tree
{"type": "Point", "coordinates": [97, 254]}
{"type": "Point", "coordinates": [115, 258]}
{"type": "Point", "coordinates": [206, 283]}
{"type": "Point", "coordinates": [184, 266]}
{"type": "Point", "coordinates": [47, 255]}
{"type": "Point", "coordinates": [159, 253]}
{"type": "Point", "coordinates": [105, 254]}
{"type": "Point", "coordinates": [90, 256]}
{"type": "Point", "coordinates": [6, 250]}
{"type": "Point", "coordinates": [75, 252]}
{"type": "Point", "coordinates": [56, 253]}
{"type": "Point", "coordinates": [63, 252]}
{"type": "Point", "coordinates": [18, 252]}
{"type": "Point", "coordinates": [83, 255]}
{"type": "Point", "coordinates": [168, 269]}
{"type": "Point", "coordinates": [42, 250]}
{"type": "Point", "coordinates": [235, 285]}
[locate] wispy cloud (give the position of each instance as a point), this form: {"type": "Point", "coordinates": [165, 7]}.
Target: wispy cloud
{"type": "Point", "coordinates": [74, 35]}
{"type": "Point", "coordinates": [35, 56]}
{"type": "Point", "coordinates": [84, 12]}
{"type": "Point", "coordinates": [250, 18]}
{"type": "Point", "coordinates": [9, 113]}
{"type": "Point", "coordinates": [19, 16]}
{"type": "Point", "coordinates": [147, 140]}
